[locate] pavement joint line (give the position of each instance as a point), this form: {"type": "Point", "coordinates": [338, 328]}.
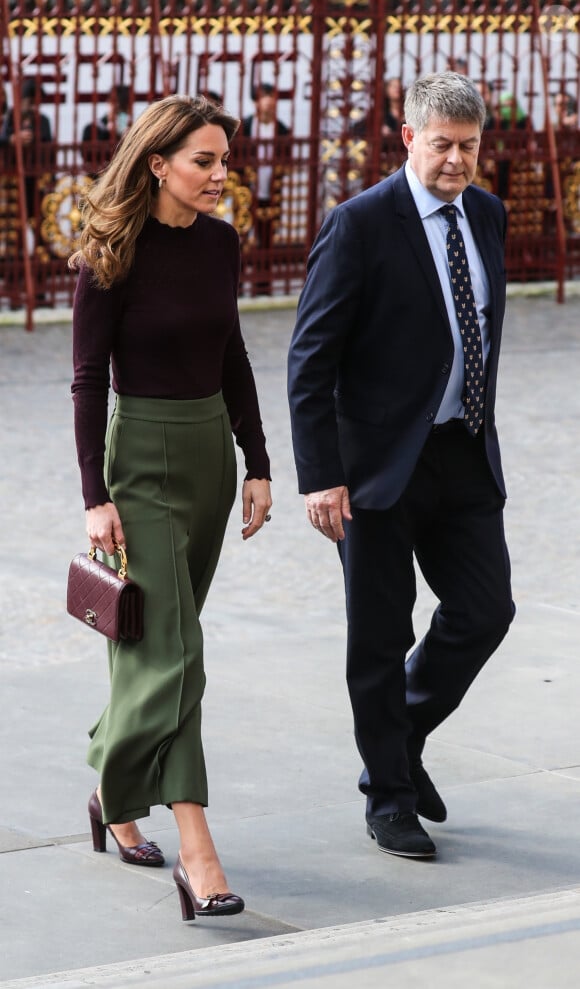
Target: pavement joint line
{"type": "Point", "coordinates": [56, 840]}
{"type": "Point", "coordinates": [37, 842]}
{"type": "Point", "coordinates": [430, 924]}
{"type": "Point", "coordinates": [559, 608]}
{"type": "Point", "coordinates": [266, 303]}
{"type": "Point", "coordinates": [28, 847]}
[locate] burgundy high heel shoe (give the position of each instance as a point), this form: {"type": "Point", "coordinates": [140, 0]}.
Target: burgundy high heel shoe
{"type": "Point", "coordinates": [218, 904]}
{"type": "Point", "coordinates": [147, 854]}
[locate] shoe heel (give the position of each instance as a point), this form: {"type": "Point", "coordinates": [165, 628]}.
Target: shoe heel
{"type": "Point", "coordinates": [99, 833]}
{"type": "Point", "coordinates": [98, 829]}
{"type": "Point", "coordinates": [187, 910]}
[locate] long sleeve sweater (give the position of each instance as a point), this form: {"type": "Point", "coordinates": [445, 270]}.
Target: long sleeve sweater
{"type": "Point", "coordinates": [169, 330]}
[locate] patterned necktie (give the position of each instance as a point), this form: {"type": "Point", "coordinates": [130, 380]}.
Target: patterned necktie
{"type": "Point", "coordinates": [473, 395]}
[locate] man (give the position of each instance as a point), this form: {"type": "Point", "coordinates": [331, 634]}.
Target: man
{"type": "Point", "coordinates": [566, 111]}
{"type": "Point", "coordinates": [34, 131]}
{"type": "Point", "coordinates": [265, 127]}
{"type": "Point", "coordinates": [395, 441]}
{"type": "Point", "coordinates": [269, 152]}
{"type": "Point", "coordinates": [3, 105]}
{"type": "Point", "coordinates": [457, 65]}
{"type": "Point", "coordinates": [34, 125]}
{"type": "Point", "coordinates": [35, 136]}
{"type": "Point", "coordinates": [101, 137]}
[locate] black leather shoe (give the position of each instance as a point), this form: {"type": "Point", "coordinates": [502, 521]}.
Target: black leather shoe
{"type": "Point", "coordinates": [429, 803]}
{"type": "Point", "coordinates": [401, 834]}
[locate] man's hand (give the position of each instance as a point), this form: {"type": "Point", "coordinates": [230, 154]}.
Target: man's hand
{"type": "Point", "coordinates": [327, 509]}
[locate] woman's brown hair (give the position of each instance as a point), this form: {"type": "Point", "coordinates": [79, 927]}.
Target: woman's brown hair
{"type": "Point", "coordinates": [116, 207]}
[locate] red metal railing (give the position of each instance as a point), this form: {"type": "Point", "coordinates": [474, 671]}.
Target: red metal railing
{"type": "Point", "coordinates": [328, 63]}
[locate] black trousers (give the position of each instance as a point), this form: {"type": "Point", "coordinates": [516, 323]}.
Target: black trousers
{"type": "Point", "coordinates": [450, 519]}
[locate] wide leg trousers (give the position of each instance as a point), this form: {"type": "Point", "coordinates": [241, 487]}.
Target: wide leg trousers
{"type": "Point", "coordinates": [171, 471]}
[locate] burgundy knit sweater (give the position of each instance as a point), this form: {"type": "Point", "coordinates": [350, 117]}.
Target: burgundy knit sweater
{"type": "Point", "coordinates": [169, 330]}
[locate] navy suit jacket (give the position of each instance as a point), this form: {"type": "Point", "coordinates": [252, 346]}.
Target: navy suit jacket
{"type": "Point", "coordinates": [372, 347]}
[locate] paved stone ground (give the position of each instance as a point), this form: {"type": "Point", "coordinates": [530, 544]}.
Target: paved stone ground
{"type": "Point", "coordinates": [282, 766]}
{"type": "Point", "coordinates": [538, 415]}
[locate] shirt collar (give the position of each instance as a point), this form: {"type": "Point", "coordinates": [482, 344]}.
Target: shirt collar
{"type": "Point", "coordinates": [425, 201]}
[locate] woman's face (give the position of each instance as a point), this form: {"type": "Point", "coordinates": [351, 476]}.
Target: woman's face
{"type": "Point", "coordinates": [193, 177]}
{"type": "Point", "coordinates": [394, 89]}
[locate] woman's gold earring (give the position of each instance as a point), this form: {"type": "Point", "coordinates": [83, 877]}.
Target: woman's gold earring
{"type": "Point", "coordinates": [161, 181]}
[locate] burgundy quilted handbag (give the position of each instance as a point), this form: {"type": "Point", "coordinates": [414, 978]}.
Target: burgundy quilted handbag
{"type": "Point", "coordinates": [105, 599]}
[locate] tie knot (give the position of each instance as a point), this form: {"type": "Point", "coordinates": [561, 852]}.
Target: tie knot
{"type": "Point", "coordinates": [450, 213]}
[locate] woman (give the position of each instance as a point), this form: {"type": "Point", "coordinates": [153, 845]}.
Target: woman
{"type": "Point", "coordinates": [393, 117]}
{"type": "Point", "coordinates": [157, 297]}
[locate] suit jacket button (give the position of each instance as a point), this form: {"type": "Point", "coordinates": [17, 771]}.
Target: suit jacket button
{"type": "Point", "coordinates": [430, 416]}
{"type": "Point", "coordinates": [445, 369]}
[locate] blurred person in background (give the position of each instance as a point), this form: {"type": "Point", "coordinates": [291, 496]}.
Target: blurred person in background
{"type": "Point", "coordinates": [565, 111]}
{"type": "Point", "coordinates": [100, 137]}
{"type": "Point", "coordinates": [3, 105]}
{"type": "Point", "coordinates": [269, 151]}
{"type": "Point", "coordinates": [34, 130]}
{"type": "Point", "coordinates": [393, 115]}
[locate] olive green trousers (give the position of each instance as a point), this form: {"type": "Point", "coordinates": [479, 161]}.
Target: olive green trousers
{"type": "Point", "coordinates": [171, 472]}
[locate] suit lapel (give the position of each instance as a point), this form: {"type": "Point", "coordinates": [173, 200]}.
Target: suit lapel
{"type": "Point", "coordinates": [412, 227]}
{"type": "Point", "coordinates": [480, 223]}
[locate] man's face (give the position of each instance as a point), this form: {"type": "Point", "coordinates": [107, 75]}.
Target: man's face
{"type": "Point", "coordinates": [444, 155]}
{"type": "Point", "coordinates": [266, 108]}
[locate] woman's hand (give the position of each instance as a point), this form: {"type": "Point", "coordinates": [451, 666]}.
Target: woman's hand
{"type": "Point", "coordinates": [104, 527]}
{"type": "Point", "coordinates": [256, 503]}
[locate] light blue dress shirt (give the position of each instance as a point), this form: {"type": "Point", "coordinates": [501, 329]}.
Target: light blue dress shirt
{"type": "Point", "coordinates": [435, 226]}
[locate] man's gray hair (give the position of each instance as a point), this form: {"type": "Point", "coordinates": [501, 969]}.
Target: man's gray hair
{"type": "Point", "coordinates": [443, 96]}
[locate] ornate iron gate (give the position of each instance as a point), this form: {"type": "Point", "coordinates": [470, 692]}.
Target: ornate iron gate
{"type": "Point", "coordinates": [327, 63]}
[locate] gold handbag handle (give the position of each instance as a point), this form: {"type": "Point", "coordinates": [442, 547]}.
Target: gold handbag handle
{"type": "Point", "coordinates": [122, 574]}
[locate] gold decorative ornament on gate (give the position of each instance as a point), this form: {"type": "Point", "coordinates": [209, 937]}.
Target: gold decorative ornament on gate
{"type": "Point", "coordinates": [61, 214]}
